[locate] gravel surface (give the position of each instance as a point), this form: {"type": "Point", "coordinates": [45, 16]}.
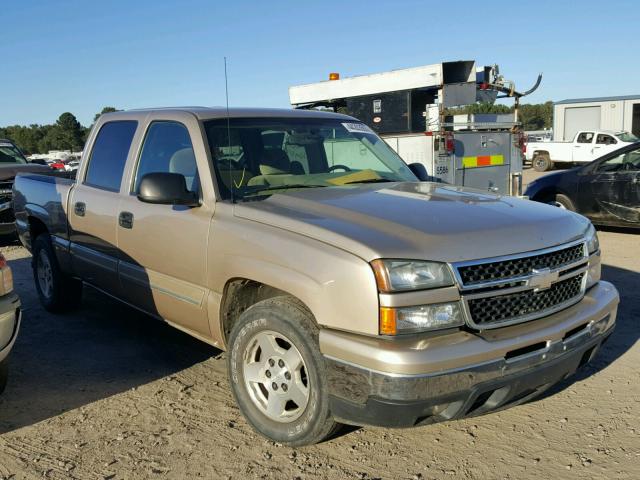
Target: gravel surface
{"type": "Point", "coordinates": [108, 393]}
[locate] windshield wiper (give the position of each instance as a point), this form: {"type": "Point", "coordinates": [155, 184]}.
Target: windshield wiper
{"type": "Point", "coordinates": [283, 187]}
{"type": "Point", "coordinates": [370, 180]}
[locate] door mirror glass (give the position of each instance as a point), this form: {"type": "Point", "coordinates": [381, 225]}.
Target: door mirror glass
{"type": "Point", "coordinates": [167, 189]}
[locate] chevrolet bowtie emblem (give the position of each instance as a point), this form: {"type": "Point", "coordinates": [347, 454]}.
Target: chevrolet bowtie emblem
{"type": "Point", "coordinates": [542, 279]}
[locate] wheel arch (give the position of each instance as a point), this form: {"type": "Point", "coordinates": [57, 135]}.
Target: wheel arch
{"type": "Point", "coordinates": [241, 293]}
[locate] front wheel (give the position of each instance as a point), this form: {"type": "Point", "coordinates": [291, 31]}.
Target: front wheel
{"type": "Point", "coordinates": [277, 372]}
{"type": "Point", "coordinates": [56, 290]}
{"type": "Point", "coordinates": [562, 201]}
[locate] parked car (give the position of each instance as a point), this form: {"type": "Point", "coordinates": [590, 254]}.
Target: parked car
{"type": "Point", "coordinates": [585, 147]}
{"type": "Point", "coordinates": [10, 317]}
{"type": "Point", "coordinates": [344, 289]}
{"type": "Point", "coordinates": [12, 161]}
{"type": "Point", "coordinates": [607, 190]}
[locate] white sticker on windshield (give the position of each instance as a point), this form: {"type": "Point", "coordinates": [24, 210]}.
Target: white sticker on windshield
{"type": "Point", "coordinates": [357, 128]}
{"type": "Point", "coordinates": [2, 144]}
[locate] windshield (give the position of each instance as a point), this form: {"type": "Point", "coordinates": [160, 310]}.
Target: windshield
{"type": "Point", "coordinates": [259, 155]}
{"type": "Point", "coordinates": [10, 154]}
{"type": "Point", "coordinates": [627, 137]}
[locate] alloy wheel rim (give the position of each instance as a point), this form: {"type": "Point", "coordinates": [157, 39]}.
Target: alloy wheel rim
{"type": "Point", "coordinates": [275, 376]}
{"type": "Point", "coordinates": [45, 274]}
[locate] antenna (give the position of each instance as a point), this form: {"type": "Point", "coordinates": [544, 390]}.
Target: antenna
{"type": "Point", "coordinates": [226, 92]}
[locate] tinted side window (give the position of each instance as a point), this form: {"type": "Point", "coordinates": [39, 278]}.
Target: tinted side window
{"type": "Point", "coordinates": [109, 154]}
{"type": "Point", "coordinates": [605, 140]}
{"type": "Point", "coordinates": [167, 148]}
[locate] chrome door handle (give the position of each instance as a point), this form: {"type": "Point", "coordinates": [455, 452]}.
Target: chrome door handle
{"type": "Point", "coordinates": [125, 219]}
{"type": "Point", "coordinates": [80, 209]}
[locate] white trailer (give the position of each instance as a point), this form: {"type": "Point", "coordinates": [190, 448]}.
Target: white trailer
{"type": "Point", "coordinates": [615, 114]}
{"type": "Point", "coordinates": [407, 108]}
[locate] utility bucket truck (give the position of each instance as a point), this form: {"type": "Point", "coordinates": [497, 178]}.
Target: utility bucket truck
{"type": "Point", "coordinates": [411, 110]}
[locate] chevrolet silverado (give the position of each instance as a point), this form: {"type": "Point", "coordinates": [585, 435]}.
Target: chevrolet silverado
{"type": "Point", "coordinates": [344, 289]}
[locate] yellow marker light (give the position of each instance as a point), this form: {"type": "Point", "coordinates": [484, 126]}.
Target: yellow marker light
{"type": "Point", "coordinates": [387, 321]}
{"type": "Point", "coordinates": [334, 76]}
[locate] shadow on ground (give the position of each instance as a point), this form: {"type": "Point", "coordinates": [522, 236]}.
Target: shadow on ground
{"type": "Point", "coordinates": [62, 362]}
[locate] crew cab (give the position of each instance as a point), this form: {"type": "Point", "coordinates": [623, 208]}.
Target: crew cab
{"type": "Point", "coordinates": [587, 145]}
{"type": "Point", "coordinates": [344, 289]}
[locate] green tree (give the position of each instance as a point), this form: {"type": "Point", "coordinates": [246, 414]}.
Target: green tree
{"type": "Point", "coordinates": [104, 110]}
{"type": "Point", "coordinates": [70, 134]}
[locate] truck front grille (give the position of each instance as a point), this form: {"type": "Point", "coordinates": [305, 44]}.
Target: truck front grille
{"type": "Point", "coordinates": [507, 290]}
{"type": "Point", "coordinates": [488, 310]}
{"type": "Point", "coordinates": [518, 267]}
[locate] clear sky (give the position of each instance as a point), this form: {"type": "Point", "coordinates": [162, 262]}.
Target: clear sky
{"type": "Point", "coordinates": [81, 55]}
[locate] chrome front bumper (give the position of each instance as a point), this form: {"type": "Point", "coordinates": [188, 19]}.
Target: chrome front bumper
{"type": "Point", "coordinates": [400, 383]}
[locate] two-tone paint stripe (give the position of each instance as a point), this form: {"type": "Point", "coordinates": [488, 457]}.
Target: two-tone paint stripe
{"type": "Point", "coordinates": [482, 161]}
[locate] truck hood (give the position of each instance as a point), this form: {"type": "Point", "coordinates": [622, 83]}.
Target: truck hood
{"type": "Point", "coordinates": [417, 221]}
{"type": "Point", "coordinates": [9, 170]}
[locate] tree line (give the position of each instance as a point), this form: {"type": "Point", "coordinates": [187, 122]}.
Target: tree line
{"type": "Point", "coordinates": [533, 116]}
{"type": "Point", "coordinates": [66, 134]}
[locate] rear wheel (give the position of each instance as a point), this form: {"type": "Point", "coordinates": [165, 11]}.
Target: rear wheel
{"type": "Point", "coordinates": [277, 372]}
{"type": "Point", "coordinates": [57, 291]}
{"type": "Point", "coordinates": [562, 201]}
{"type": "Point", "coordinates": [542, 162]}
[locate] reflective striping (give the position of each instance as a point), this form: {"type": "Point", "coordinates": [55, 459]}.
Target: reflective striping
{"type": "Point", "coordinates": [482, 161]}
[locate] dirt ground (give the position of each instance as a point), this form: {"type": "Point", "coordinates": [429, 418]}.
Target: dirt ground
{"type": "Point", "coordinates": [107, 393]}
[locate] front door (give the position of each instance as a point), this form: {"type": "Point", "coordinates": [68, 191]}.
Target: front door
{"type": "Point", "coordinates": [605, 144]}
{"type": "Point", "coordinates": [93, 207]}
{"type": "Point", "coordinates": [610, 193]}
{"type": "Point", "coordinates": [163, 248]}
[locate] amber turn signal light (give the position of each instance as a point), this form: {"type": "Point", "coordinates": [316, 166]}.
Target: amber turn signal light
{"type": "Point", "coordinates": [388, 321]}
{"type": "Point", "coordinates": [382, 276]}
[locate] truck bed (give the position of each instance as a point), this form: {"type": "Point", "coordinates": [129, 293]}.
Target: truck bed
{"type": "Point", "coordinates": [47, 202]}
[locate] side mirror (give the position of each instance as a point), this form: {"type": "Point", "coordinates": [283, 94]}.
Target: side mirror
{"type": "Point", "coordinates": [167, 189]}
{"type": "Point", "coordinates": [420, 171]}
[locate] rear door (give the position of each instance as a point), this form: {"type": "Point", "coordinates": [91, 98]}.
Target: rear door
{"type": "Point", "coordinates": [93, 206]}
{"type": "Point", "coordinates": [583, 147]}
{"type": "Point", "coordinates": [163, 248]}
{"type": "Point", "coordinates": [610, 192]}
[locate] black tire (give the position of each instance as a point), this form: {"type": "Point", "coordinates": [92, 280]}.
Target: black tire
{"type": "Point", "coordinates": [542, 162]}
{"type": "Point", "coordinates": [63, 292]}
{"type": "Point", "coordinates": [289, 318]}
{"type": "Point", "coordinates": [4, 373]}
{"type": "Point", "coordinates": [563, 201]}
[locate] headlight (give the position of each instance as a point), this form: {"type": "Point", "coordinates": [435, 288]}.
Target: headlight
{"type": "Point", "coordinates": [402, 275]}
{"type": "Point", "coordinates": [422, 318]}
{"type": "Point", "coordinates": [593, 244]}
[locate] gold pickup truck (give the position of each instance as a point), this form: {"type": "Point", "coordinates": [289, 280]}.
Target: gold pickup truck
{"type": "Point", "coordinates": [344, 288]}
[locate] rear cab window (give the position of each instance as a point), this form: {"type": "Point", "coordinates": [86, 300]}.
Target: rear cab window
{"type": "Point", "coordinates": [109, 155]}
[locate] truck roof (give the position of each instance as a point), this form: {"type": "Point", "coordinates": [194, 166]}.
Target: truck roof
{"type": "Point", "coordinates": [208, 113]}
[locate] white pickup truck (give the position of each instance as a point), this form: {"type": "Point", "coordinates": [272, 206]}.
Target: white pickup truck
{"type": "Point", "coordinates": [587, 145]}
